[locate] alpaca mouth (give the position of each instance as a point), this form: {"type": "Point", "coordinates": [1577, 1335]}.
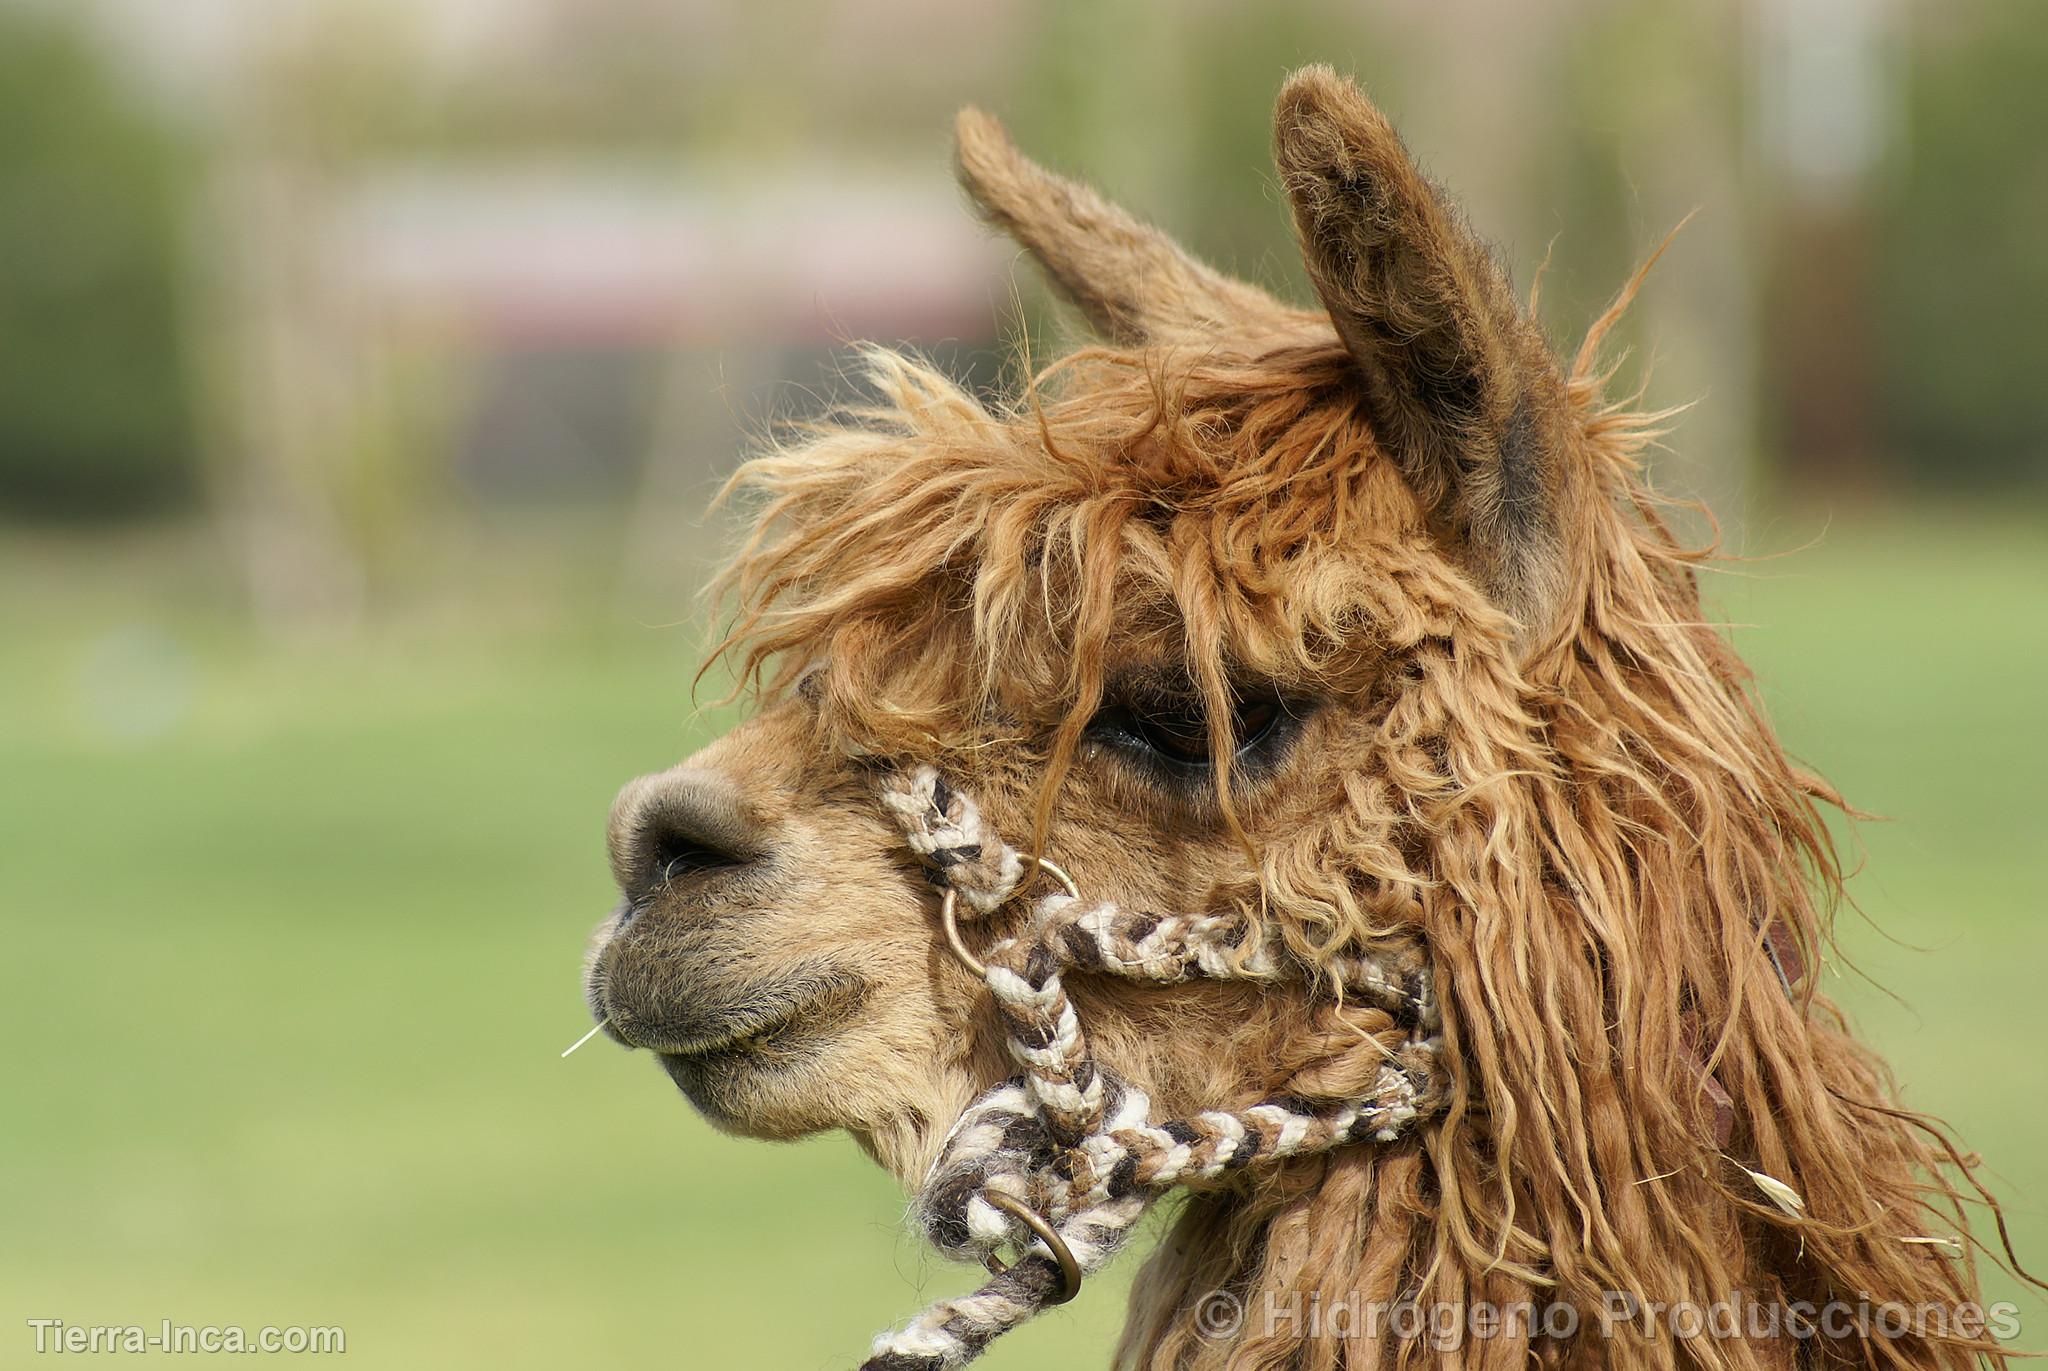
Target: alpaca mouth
{"type": "Point", "coordinates": [769, 1021]}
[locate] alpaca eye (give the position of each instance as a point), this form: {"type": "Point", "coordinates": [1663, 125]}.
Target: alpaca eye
{"type": "Point", "coordinates": [1177, 732]}
{"type": "Point", "coordinates": [1182, 734]}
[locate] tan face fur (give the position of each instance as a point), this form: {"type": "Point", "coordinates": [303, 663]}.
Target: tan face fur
{"type": "Point", "coordinates": [793, 917]}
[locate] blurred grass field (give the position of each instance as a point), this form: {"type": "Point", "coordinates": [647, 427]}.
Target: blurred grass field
{"type": "Point", "coordinates": [293, 938]}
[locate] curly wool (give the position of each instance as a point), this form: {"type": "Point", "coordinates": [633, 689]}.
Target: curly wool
{"type": "Point", "coordinates": [1589, 827]}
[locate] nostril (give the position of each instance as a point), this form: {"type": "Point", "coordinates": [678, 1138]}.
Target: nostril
{"type": "Point", "coordinates": [681, 854]}
{"type": "Point", "coordinates": [689, 822]}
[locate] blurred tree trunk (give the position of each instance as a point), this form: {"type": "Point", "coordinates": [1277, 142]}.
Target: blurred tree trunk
{"type": "Point", "coordinates": [320, 475]}
{"type": "Point", "coordinates": [1826, 88]}
{"type": "Point", "coordinates": [1819, 363]}
{"type": "Point", "coordinates": [290, 398]}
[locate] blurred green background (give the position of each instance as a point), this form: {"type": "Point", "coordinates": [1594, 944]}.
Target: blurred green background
{"type": "Point", "coordinates": [364, 369]}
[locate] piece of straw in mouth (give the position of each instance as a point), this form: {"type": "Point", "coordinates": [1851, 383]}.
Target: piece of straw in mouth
{"type": "Point", "coordinates": [601, 1023]}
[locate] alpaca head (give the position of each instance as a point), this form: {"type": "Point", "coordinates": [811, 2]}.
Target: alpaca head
{"type": "Point", "coordinates": [1157, 614]}
{"type": "Point", "coordinates": [1352, 618]}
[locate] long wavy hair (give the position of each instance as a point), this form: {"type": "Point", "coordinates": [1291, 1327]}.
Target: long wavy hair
{"type": "Point", "coordinates": [1572, 791]}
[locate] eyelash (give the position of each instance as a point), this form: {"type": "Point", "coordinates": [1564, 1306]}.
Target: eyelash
{"type": "Point", "coordinates": [1172, 734]}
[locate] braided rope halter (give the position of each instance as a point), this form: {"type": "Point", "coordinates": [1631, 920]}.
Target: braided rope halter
{"type": "Point", "coordinates": [1058, 1163]}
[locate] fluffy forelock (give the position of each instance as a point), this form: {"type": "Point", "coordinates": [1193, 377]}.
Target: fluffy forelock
{"type": "Point", "coordinates": [948, 564]}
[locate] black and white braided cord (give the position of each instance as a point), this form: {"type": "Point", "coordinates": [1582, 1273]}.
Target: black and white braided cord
{"type": "Point", "coordinates": [1072, 1143]}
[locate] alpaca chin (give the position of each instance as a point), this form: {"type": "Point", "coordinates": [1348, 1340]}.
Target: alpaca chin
{"type": "Point", "coordinates": [907, 1142]}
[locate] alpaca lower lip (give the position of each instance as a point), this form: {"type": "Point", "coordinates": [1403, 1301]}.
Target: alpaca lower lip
{"type": "Point", "coordinates": [736, 1042]}
{"type": "Point", "coordinates": [762, 1021]}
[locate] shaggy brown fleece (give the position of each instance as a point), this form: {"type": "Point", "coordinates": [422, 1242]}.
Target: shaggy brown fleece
{"type": "Point", "coordinates": [1402, 503]}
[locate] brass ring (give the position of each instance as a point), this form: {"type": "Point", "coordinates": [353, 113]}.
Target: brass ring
{"type": "Point", "coordinates": [950, 921]}
{"type": "Point", "coordinates": [949, 917]}
{"type": "Point", "coordinates": [1070, 1270]}
{"type": "Point", "coordinates": [1059, 875]}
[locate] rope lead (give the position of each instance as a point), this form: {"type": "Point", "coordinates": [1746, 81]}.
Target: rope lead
{"type": "Point", "coordinates": [1059, 1162]}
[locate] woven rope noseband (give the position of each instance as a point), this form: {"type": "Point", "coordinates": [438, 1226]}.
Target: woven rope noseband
{"type": "Point", "coordinates": [1059, 1162]}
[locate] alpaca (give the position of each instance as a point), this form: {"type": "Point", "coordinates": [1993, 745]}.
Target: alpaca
{"type": "Point", "coordinates": [1346, 630]}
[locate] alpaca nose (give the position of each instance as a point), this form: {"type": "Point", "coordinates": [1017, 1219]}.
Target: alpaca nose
{"type": "Point", "coordinates": [677, 824]}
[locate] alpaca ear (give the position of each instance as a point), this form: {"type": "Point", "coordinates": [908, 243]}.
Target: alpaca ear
{"type": "Point", "coordinates": [1464, 392]}
{"type": "Point", "coordinates": [1134, 283]}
